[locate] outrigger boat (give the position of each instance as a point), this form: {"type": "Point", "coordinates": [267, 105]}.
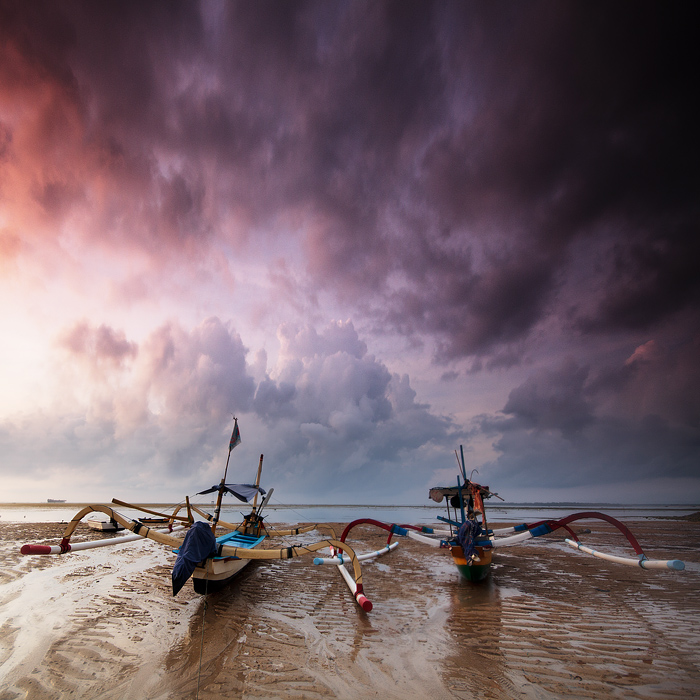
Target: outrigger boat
{"type": "Point", "coordinates": [211, 560]}
{"type": "Point", "coordinates": [471, 541]}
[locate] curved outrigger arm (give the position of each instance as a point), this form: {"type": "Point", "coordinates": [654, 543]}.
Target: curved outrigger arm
{"type": "Point", "coordinates": [432, 541]}
{"type": "Point", "coordinates": [391, 528]}
{"type": "Point", "coordinates": [544, 527]}
{"type": "Point", "coordinates": [411, 531]}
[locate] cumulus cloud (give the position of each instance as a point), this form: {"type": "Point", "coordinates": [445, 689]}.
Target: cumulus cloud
{"type": "Point", "coordinates": [160, 406]}
{"type": "Point", "coordinates": [650, 279]}
{"type": "Point", "coordinates": [655, 380]}
{"type": "Point", "coordinates": [98, 345]}
{"type": "Point", "coordinates": [337, 410]}
{"type": "Point", "coordinates": [159, 409]}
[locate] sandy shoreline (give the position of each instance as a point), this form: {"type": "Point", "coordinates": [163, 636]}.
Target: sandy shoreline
{"type": "Point", "coordinates": [549, 623]}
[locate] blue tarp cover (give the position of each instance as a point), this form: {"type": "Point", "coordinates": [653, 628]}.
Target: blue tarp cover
{"type": "Point", "coordinates": [199, 543]}
{"type": "Point", "coordinates": [466, 537]}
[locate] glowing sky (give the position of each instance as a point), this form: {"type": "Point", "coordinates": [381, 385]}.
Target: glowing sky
{"type": "Point", "coordinates": [373, 231]}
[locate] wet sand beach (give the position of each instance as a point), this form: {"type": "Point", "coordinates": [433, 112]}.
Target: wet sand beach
{"type": "Point", "coordinates": [548, 623]}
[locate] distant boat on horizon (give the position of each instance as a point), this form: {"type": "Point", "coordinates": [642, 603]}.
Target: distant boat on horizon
{"type": "Point", "coordinates": [55, 500]}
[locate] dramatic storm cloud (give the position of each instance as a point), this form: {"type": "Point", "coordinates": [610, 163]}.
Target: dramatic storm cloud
{"type": "Point", "coordinates": [370, 230]}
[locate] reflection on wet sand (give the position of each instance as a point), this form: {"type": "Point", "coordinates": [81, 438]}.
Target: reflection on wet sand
{"type": "Point", "coordinates": [474, 664]}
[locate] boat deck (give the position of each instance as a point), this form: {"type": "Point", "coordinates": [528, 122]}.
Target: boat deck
{"type": "Point", "coordinates": [235, 539]}
{"type": "Point", "coordinates": [238, 539]}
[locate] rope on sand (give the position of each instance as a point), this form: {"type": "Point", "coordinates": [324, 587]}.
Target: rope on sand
{"type": "Point", "coordinates": [201, 644]}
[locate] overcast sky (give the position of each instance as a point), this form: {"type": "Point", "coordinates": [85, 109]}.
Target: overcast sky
{"type": "Point", "coordinates": [372, 231]}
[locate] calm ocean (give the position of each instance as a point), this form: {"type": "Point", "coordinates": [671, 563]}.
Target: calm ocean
{"type": "Point", "coordinates": [416, 515]}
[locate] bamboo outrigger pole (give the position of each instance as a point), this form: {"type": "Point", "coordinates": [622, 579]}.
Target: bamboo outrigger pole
{"type": "Point", "coordinates": [641, 560]}
{"type": "Point", "coordinates": [338, 559]}
{"type": "Point", "coordinates": [172, 516]}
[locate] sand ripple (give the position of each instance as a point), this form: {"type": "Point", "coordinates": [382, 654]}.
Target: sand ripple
{"type": "Point", "coordinates": [549, 623]}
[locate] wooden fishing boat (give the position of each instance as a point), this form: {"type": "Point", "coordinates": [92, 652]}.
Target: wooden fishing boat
{"type": "Point", "coordinates": [213, 573]}
{"type": "Point", "coordinates": [201, 555]}
{"type": "Point", "coordinates": [210, 557]}
{"type": "Point", "coordinates": [472, 543]}
{"type": "Point", "coordinates": [469, 540]}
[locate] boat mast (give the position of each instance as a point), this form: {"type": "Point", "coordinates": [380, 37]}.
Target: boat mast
{"type": "Point", "coordinates": [257, 482]}
{"type": "Point", "coordinates": [460, 487]}
{"type": "Point", "coordinates": [219, 498]}
{"type": "Point", "coordinates": [464, 469]}
{"type": "Point", "coordinates": [235, 439]}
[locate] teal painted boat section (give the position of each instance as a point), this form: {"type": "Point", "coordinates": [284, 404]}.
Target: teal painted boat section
{"type": "Point", "coordinates": [475, 572]}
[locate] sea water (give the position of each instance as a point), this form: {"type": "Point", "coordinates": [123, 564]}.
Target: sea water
{"type": "Point", "coordinates": [403, 514]}
{"type": "Point", "coordinates": [428, 515]}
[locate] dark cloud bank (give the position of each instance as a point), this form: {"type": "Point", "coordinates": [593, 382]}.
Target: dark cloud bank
{"type": "Point", "coordinates": [492, 180]}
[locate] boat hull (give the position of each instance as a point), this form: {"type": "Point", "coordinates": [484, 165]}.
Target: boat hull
{"type": "Point", "coordinates": [217, 573]}
{"type": "Point", "coordinates": [474, 571]}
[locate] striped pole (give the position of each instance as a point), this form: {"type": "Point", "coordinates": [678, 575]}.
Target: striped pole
{"type": "Point", "coordinates": [356, 590]}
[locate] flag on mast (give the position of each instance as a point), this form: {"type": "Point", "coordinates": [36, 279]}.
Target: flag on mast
{"type": "Point", "coordinates": [235, 436]}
